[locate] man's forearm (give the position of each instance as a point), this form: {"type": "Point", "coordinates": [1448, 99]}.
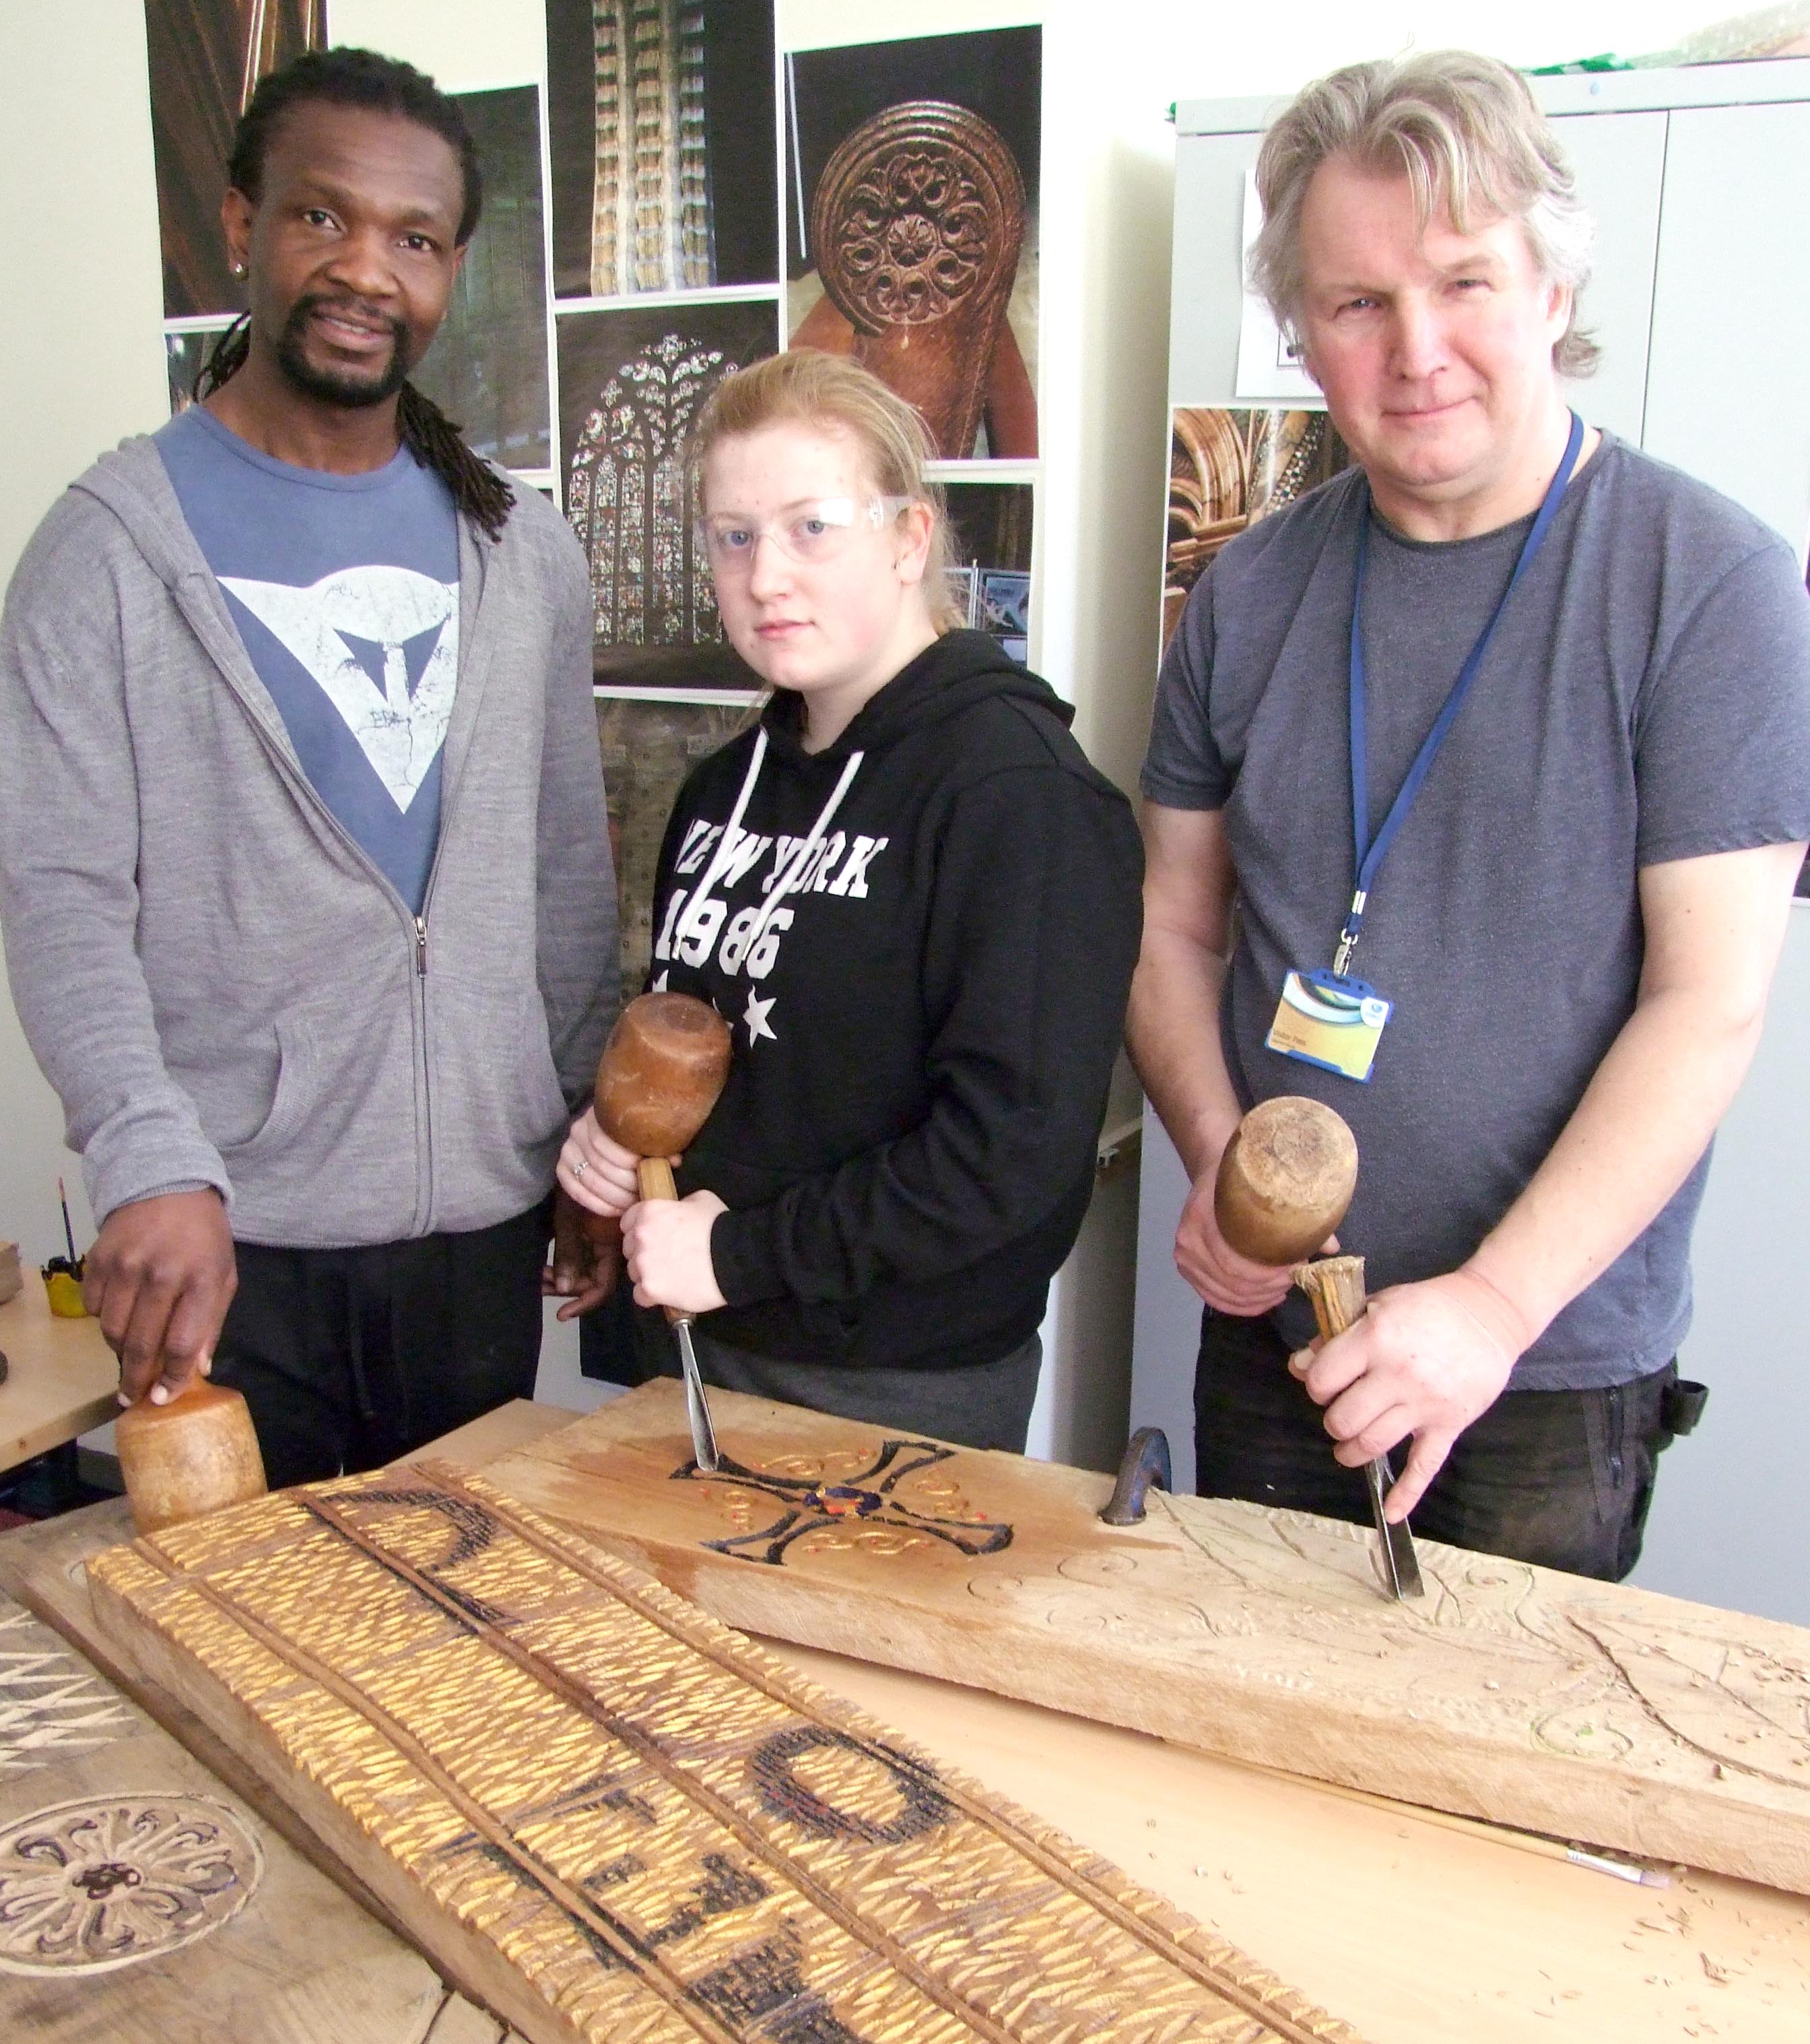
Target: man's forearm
{"type": "Point", "coordinates": [1646, 1117]}
{"type": "Point", "coordinates": [1172, 1031]}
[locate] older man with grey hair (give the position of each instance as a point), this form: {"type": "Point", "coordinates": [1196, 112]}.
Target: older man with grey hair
{"type": "Point", "coordinates": [1500, 743]}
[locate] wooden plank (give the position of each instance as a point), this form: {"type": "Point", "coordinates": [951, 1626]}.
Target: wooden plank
{"type": "Point", "coordinates": [1515, 1694]}
{"type": "Point", "coordinates": [64, 1379]}
{"type": "Point", "coordinates": [139, 1898]}
{"type": "Point", "coordinates": [609, 1817]}
{"type": "Point", "coordinates": [1502, 1946]}
{"type": "Point", "coordinates": [1413, 1932]}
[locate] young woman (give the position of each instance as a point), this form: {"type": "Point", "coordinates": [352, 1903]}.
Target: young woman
{"type": "Point", "coordinates": [917, 906]}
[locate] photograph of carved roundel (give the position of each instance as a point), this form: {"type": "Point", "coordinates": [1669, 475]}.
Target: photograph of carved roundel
{"type": "Point", "coordinates": [910, 225]}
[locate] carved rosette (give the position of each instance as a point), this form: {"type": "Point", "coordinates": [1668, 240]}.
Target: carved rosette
{"type": "Point", "coordinates": [87, 1887]}
{"type": "Point", "coordinates": [916, 224]}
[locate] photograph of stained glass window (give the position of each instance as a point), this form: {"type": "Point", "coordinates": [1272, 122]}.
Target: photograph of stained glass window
{"type": "Point", "coordinates": [661, 137]}
{"type": "Point", "coordinates": [631, 382]}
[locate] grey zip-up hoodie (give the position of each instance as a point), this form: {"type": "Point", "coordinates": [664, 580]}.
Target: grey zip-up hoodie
{"type": "Point", "coordinates": [220, 985]}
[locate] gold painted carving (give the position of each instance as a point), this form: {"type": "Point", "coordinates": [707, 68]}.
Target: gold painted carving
{"type": "Point", "coordinates": [617, 1819]}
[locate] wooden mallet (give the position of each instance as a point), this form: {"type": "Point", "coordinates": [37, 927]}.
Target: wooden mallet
{"type": "Point", "coordinates": [197, 1454]}
{"type": "Point", "coordinates": [660, 1075]}
{"type": "Point", "coordinates": [1284, 1184]}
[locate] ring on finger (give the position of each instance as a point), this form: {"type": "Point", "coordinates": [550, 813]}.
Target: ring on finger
{"type": "Point", "coordinates": [580, 1168]}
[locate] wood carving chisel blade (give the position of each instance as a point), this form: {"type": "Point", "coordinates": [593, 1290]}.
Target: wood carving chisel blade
{"type": "Point", "coordinates": [1400, 1565]}
{"type": "Point", "coordinates": [696, 1409]}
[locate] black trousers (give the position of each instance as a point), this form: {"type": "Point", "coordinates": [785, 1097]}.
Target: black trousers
{"type": "Point", "coordinates": [1561, 1478]}
{"type": "Point", "coordinates": [349, 1358]}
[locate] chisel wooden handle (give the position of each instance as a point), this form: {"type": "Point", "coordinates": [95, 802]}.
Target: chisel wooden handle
{"type": "Point", "coordinates": [1335, 1284]}
{"type": "Point", "coordinates": [657, 1183]}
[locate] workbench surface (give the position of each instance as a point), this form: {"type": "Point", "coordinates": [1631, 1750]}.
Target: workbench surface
{"type": "Point", "coordinates": [62, 1379]}
{"type": "Point", "coordinates": [1412, 1933]}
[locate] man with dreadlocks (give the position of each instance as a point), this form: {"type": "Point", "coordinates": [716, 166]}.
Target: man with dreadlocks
{"type": "Point", "coordinates": [303, 858]}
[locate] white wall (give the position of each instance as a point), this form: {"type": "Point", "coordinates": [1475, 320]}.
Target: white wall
{"type": "Point", "coordinates": [79, 349]}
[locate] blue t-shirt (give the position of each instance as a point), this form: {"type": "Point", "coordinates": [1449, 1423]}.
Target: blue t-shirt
{"type": "Point", "coordinates": [345, 591]}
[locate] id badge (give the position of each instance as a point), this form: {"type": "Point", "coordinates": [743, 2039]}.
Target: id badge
{"type": "Point", "coordinates": [1335, 1023]}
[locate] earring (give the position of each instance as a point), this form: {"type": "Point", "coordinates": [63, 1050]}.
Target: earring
{"type": "Point", "coordinates": [238, 269]}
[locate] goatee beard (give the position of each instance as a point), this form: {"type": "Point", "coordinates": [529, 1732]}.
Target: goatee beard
{"type": "Point", "coordinates": [331, 387]}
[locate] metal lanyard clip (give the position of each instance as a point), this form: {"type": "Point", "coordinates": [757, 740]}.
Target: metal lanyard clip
{"type": "Point", "coordinates": [1348, 936]}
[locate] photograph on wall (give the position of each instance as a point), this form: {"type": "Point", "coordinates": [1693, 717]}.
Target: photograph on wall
{"type": "Point", "coordinates": [631, 380]}
{"type": "Point", "coordinates": [990, 538]}
{"type": "Point", "coordinates": [487, 367]}
{"type": "Point", "coordinates": [912, 173]}
{"type": "Point", "coordinates": [184, 352]}
{"type": "Point", "coordinates": [661, 135]}
{"type": "Point", "coordinates": [1227, 469]}
{"type": "Point", "coordinates": [648, 748]}
{"type": "Point", "coordinates": [206, 58]}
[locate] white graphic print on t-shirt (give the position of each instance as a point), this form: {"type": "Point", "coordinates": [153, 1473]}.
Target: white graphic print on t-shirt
{"type": "Point", "coordinates": [383, 644]}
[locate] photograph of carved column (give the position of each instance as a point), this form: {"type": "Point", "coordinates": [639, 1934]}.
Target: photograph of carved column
{"type": "Point", "coordinates": [913, 224]}
{"type": "Point", "coordinates": [206, 58]}
{"type": "Point", "coordinates": [1227, 469]}
{"type": "Point", "coordinates": [630, 385]}
{"type": "Point", "coordinates": [661, 139]}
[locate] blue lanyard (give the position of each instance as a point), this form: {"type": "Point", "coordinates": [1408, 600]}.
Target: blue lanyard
{"type": "Point", "coordinates": [1371, 852]}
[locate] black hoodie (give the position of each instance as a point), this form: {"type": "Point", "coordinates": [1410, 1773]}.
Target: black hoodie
{"type": "Point", "coordinates": [926, 1015]}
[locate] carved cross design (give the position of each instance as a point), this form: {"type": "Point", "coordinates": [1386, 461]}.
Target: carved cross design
{"type": "Point", "coordinates": [867, 1497]}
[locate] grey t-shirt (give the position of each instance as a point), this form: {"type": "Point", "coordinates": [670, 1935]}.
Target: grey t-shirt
{"type": "Point", "coordinates": [1646, 698]}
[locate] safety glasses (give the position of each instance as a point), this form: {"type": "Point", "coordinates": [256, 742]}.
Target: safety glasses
{"type": "Point", "coordinates": [808, 533]}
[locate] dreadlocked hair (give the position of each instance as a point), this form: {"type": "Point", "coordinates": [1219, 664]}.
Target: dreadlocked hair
{"type": "Point", "coordinates": [477, 491]}
{"type": "Point", "coordinates": [346, 77]}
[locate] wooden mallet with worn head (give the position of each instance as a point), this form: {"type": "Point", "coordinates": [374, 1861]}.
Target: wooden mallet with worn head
{"type": "Point", "coordinates": [661, 1074]}
{"type": "Point", "coordinates": [1284, 1184]}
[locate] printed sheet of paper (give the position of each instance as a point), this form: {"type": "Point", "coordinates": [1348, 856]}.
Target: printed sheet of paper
{"type": "Point", "coordinates": [1269, 369]}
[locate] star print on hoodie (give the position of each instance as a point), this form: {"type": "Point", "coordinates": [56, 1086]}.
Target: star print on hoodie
{"type": "Point", "coordinates": [922, 938]}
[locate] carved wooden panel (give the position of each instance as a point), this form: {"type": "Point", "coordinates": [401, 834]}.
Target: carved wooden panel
{"type": "Point", "coordinates": [650, 197]}
{"type": "Point", "coordinates": [1584, 1709]}
{"type": "Point", "coordinates": [611, 1817]}
{"type": "Point", "coordinates": [916, 224]}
